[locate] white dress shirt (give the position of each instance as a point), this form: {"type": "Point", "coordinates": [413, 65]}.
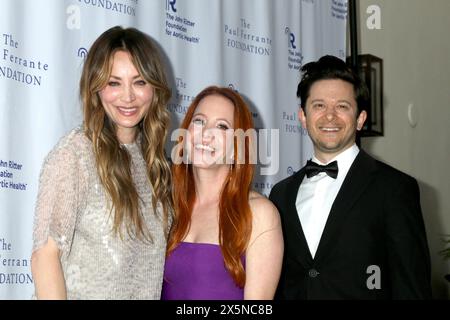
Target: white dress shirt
{"type": "Point", "coordinates": [316, 196]}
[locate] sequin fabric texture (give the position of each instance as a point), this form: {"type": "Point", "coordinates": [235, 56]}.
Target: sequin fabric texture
{"type": "Point", "coordinates": [73, 208]}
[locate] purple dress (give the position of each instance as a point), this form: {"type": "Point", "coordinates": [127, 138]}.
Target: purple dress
{"type": "Point", "coordinates": [196, 271]}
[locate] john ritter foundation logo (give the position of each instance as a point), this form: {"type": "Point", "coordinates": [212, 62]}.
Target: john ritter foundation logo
{"type": "Point", "coordinates": [8, 176]}
{"type": "Point", "coordinates": [295, 57]}
{"type": "Point", "coordinates": [178, 25]}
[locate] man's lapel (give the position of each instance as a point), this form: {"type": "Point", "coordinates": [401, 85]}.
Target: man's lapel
{"type": "Point", "coordinates": [293, 221]}
{"type": "Point", "coordinates": [357, 180]}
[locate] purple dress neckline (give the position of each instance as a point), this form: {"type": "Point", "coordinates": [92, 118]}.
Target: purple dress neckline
{"type": "Point", "coordinates": [196, 271]}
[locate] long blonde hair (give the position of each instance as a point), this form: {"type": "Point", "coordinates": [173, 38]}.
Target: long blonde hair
{"type": "Point", "coordinates": [112, 161]}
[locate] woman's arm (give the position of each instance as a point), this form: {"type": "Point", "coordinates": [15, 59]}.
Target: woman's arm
{"type": "Point", "coordinates": [62, 189]}
{"type": "Point", "coordinates": [47, 272]}
{"type": "Point", "coordinates": [265, 252]}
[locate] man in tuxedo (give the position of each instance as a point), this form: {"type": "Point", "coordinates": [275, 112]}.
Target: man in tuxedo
{"type": "Point", "coordinates": [353, 226]}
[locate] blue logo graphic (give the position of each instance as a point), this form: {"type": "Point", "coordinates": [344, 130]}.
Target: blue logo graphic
{"type": "Point", "coordinates": [171, 5]}
{"type": "Point", "coordinates": [178, 26]}
{"type": "Point", "coordinates": [231, 86]}
{"type": "Point", "coordinates": [292, 40]}
{"type": "Point", "coordinates": [290, 171]}
{"type": "Point", "coordinates": [82, 52]}
{"type": "Point", "coordinates": [295, 57]}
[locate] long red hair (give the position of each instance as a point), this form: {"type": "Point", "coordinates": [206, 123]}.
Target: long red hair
{"type": "Point", "coordinates": [235, 216]}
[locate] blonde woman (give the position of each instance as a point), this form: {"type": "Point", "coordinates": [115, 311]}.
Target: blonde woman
{"type": "Point", "coordinates": [104, 205]}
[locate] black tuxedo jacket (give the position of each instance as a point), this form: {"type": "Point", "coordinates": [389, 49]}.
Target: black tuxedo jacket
{"type": "Point", "coordinates": [375, 222]}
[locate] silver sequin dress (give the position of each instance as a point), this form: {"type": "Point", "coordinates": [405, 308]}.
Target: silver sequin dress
{"type": "Point", "coordinates": [73, 208]}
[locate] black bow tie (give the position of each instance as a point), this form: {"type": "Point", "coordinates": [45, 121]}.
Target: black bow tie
{"type": "Point", "coordinates": [313, 169]}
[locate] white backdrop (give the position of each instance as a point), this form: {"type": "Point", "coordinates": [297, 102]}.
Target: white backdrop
{"type": "Point", "coordinates": [255, 46]}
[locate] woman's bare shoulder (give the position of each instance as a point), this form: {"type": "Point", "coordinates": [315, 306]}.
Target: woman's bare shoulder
{"type": "Point", "coordinates": [265, 214]}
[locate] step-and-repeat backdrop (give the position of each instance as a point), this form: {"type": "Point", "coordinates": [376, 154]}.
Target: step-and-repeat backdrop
{"type": "Point", "coordinates": [254, 46]}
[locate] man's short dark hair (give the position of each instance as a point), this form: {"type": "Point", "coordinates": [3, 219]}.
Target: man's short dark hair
{"type": "Point", "coordinates": [329, 68]}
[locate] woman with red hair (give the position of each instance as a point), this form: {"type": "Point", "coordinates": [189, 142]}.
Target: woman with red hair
{"type": "Point", "coordinates": [226, 240]}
